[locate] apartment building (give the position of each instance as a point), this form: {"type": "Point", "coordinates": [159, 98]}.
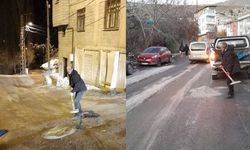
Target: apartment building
{"type": "Point", "coordinates": [206, 18]}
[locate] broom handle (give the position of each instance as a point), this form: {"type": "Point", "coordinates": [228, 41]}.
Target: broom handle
{"type": "Point", "coordinates": [227, 74]}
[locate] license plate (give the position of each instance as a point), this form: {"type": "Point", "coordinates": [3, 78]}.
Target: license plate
{"type": "Point", "coordinates": [144, 63]}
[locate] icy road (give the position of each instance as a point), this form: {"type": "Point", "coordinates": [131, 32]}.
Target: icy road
{"type": "Point", "coordinates": [181, 108]}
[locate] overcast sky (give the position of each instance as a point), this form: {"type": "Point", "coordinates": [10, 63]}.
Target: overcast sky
{"type": "Point", "coordinates": [204, 1]}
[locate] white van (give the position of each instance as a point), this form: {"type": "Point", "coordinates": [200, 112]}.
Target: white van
{"type": "Point", "coordinates": [199, 51]}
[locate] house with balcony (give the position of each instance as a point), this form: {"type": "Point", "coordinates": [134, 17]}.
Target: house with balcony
{"type": "Point", "coordinates": [92, 36]}
{"type": "Point", "coordinates": [206, 18]}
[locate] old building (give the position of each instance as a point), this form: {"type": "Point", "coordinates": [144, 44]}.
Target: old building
{"type": "Point", "coordinates": [234, 21]}
{"type": "Point", "coordinates": [244, 24]}
{"type": "Point", "coordinates": [206, 18]}
{"type": "Point", "coordinates": [92, 36]}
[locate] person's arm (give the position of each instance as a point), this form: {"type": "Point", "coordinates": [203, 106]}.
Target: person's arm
{"type": "Point", "coordinates": [70, 82]}
{"type": "Point", "coordinates": [224, 64]}
{"type": "Point", "coordinates": [76, 80]}
{"type": "Point", "coordinates": [230, 63]}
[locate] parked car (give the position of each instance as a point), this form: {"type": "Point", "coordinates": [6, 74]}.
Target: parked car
{"type": "Point", "coordinates": [155, 55]}
{"type": "Point", "coordinates": [241, 46]}
{"type": "Point", "coordinates": [199, 51]}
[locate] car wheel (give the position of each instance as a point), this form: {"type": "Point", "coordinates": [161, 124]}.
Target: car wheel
{"type": "Point", "coordinates": [214, 77]}
{"type": "Point", "coordinates": [130, 69]}
{"type": "Point", "coordinates": [159, 63]}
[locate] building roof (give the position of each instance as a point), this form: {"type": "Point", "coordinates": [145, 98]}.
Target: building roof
{"type": "Point", "coordinates": [204, 7]}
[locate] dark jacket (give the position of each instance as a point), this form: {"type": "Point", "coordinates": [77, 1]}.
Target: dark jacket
{"type": "Point", "coordinates": [230, 61]}
{"type": "Point", "coordinates": [76, 82]}
{"type": "Point", "coordinates": [186, 49]}
{"type": "Point", "coordinates": [181, 48]}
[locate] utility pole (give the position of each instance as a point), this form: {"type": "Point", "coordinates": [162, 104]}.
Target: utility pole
{"type": "Point", "coordinates": [22, 46]}
{"type": "Point", "coordinates": [48, 34]}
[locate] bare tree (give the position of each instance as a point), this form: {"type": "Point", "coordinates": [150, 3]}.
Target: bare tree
{"type": "Point", "coordinates": [154, 22]}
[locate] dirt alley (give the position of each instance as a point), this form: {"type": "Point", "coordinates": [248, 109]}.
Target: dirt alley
{"type": "Point", "coordinates": [28, 109]}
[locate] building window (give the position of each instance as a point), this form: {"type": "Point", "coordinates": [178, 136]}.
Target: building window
{"type": "Point", "coordinates": [210, 19]}
{"type": "Point", "coordinates": [112, 13]}
{"type": "Point", "coordinates": [81, 20]}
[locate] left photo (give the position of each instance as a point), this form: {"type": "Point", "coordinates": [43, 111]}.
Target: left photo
{"type": "Point", "coordinates": [63, 74]}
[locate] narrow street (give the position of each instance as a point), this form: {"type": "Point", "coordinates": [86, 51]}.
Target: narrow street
{"type": "Point", "coordinates": [182, 108]}
{"type": "Point", "coordinates": [29, 109]}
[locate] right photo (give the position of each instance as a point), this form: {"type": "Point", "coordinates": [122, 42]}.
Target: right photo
{"type": "Point", "coordinates": [188, 75]}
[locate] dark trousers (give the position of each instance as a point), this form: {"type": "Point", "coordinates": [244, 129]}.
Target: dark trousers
{"type": "Point", "coordinates": [230, 87]}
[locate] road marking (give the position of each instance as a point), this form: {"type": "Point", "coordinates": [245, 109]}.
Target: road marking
{"type": "Point", "coordinates": [147, 73]}
{"type": "Point", "coordinates": [134, 101]}
{"type": "Point", "coordinates": [165, 113]}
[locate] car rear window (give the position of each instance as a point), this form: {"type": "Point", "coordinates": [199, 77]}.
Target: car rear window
{"type": "Point", "coordinates": [198, 47]}
{"type": "Point", "coordinates": [237, 43]}
{"type": "Point", "coordinates": [152, 50]}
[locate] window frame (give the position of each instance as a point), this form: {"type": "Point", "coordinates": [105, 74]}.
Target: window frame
{"type": "Point", "coordinates": [80, 16]}
{"type": "Point", "coordinates": [112, 15]}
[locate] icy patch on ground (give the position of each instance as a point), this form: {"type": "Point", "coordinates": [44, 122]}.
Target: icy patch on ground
{"type": "Point", "coordinates": [25, 81]}
{"type": "Point", "coordinates": [135, 100]}
{"type": "Point", "coordinates": [58, 132]}
{"type": "Point", "coordinates": [13, 98]}
{"type": "Point", "coordinates": [91, 87]}
{"type": "Point", "coordinates": [220, 87]}
{"type": "Point", "coordinates": [204, 92]}
{"type": "Point", "coordinates": [146, 73]}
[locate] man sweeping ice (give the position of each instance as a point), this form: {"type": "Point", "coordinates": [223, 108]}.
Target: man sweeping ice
{"type": "Point", "coordinates": [230, 65]}
{"type": "Point", "coordinates": [78, 90]}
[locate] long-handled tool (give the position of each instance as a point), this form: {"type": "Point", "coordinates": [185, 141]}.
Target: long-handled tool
{"type": "Point", "coordinates": [233, 82]}
{"type": "Point", "coordinates": [73, 104]}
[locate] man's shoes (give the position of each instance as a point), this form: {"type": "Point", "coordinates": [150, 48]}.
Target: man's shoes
{"type": "Point", "coordinates": [74, 111]}
{"type": "Point", "coordinates": [230, 96]}
{"type": "Point", "coordinates": [79, 126]}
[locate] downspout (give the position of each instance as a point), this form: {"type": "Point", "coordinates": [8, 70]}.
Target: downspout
{"type": "Point", "coordinates": [106, 73]}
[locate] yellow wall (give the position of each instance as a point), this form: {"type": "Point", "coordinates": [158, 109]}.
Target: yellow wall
{"type": "Point", "coordinates": [94, 48]}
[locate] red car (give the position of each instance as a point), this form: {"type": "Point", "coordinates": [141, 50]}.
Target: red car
{"type": "Point", "coordinates": [155, 56]}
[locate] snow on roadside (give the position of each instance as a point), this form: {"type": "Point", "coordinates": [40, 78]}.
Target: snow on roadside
{"type": "Point", "coordinates": [146, 73]}
{"type": "Point", "coordinates": [91, 87]}
{"type": "Point", "coordinates": [204, 92]}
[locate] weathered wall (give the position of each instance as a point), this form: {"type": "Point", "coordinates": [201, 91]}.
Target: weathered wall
{"type": "Point", "coordinates": [95, 49]}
